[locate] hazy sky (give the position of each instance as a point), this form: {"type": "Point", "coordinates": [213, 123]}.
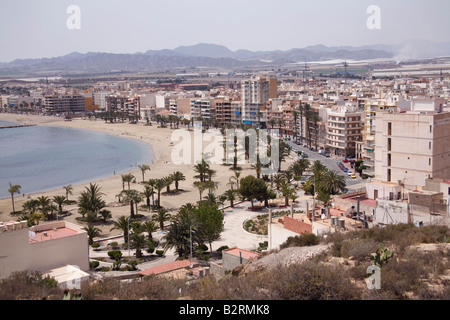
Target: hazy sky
{"type": "Point", "coordinates": [37, 28]}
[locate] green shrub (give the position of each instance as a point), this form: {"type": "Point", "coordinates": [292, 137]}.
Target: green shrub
{"type": "Point", "coordinates": [131, 266]}
{"type": "Point", "coordinates": [202, 247]}
{"type": "Point", "coordinates": [95, 245]}
{"type": "Point", "coordinates": [115, 254]}
{"type": "Point", "coordinates": [159, 252]}
{"type": "Point", "coordinates": [114, 245]}
{"type": "Point", "coordinates": [359, 249]}
{"type": "Point", "coordinates": [93, 264]}
{"type": "Point", "coordinates": [222, 248]}
{"type": "Point", "coordinates": [303, 240]}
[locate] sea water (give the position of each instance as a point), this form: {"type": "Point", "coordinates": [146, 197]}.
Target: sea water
{"type": "Point", "coordinates": [42, 158]}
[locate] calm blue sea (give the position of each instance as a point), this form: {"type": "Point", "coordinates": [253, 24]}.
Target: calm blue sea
{"type": "Point", "coordinates": [42, 158]}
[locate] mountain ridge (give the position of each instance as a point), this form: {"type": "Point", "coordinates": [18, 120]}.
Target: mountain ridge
{"type": "Point", "coordinates": [213, 55]}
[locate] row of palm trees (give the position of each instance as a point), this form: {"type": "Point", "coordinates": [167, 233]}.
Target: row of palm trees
{"type": "Point", "coordinates": [151, 187]}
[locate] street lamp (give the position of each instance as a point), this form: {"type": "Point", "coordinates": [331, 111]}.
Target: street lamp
{"type": "Point", "coordinates": [128, 230]}
{"type": "Point", "coordinates": [190, 239]}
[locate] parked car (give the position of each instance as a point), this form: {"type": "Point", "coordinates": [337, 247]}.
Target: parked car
{"type": "Point", "coordinates": [345, 169]}
{"type": "Point", "coordinates": [326, 154]}
{"type": "Point", "coordinates": [349, 172]}
{"type": "Point", "coordinates": [353, 176]}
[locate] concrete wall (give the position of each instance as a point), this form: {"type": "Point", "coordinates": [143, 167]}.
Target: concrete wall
{"type": "Point", "coordinates": [278, 235]}
{"type": "Point", "coordinates": [391, 212]}
{"type": "Point", "coordinates": [231, 261]}
{"type": "Point", "coordinates": [17, 254]}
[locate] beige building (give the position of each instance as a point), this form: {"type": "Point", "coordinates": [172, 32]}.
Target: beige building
{"type": "Point", "coordinates": [344, 130]}
{"type": "Point", "coordinates": [42, 248]}
{"type": "Point", "coordinates": [412, 147]}
{"type": "Point", "coordinates": [255, 93]}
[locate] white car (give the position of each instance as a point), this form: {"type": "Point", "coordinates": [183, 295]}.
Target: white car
{"type": "Point", "coordinates": [349, 172]}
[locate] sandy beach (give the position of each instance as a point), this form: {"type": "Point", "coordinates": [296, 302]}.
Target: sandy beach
{"type": "Point", "coordinates": [159, 139]}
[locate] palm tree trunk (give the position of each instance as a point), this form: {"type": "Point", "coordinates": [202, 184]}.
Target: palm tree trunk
{"type": "Point", "coordinates": [12, 199]}
{"type": "Point", "coordinates": [131, 209]}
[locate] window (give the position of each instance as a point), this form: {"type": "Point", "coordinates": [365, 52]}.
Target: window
{"type": "Point", "coordinates": [429, 145]}
{"type": "Point", "coordinates": [429, 161]}
{"type": "Point", "coordinates": [389, 128]}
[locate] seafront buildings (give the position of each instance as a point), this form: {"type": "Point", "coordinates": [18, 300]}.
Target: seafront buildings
{"type": "Point", "coordinates": [399, 129]}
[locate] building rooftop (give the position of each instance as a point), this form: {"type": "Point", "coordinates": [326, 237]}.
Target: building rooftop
{"type": "Point", "coordinates": [167, 267]}
{"type": "Point", "coordinates": [52, 231]}
{"type": "Point", "coordinates": [245, 253]}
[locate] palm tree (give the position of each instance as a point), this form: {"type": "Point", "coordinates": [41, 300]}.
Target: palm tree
{"type": "Point", "coordinates": [315, 119]}
{"type": "Point", "coordinates": [202, 169]}
{"type": "Point", "coordinates": [14, 189]}
{"type": "Point", "coordinates": [231, 196]}
{"type": "Point", "coordinates": [211, 198]}
{"type": "Point", "coordinates": [287, 191]}
{"type": "Point", "coordinates": [132, 197]}
{"type": "Point", "coordinates": [332, 182]}
{"type": "Point", "coordinates": [161, 217]}
{"type": "Point", "coordinates": [127, 178]}
{"type": "Point", "coordinates": [59, 200]}
{"type": "Point", "coordinates": [143, 168]}
{"type": "Point", "coordinates": [176, 177]}
{"type": "Point", "coordinates": [167, 182]}
{"type": "Point", "coordinates": [151, 184]}
{"type": "Point", "coordinates": [92, 232]}
{"type": "Point", "coordinates": [299, 166]}
{"type": "Point", "coordinates": [148, 192]}
{"type": "Point", "coordinates": [159, 185]}
{"type": "Point", "coordinates": [301, 109]}
{"type": "Point", "coordinates": [90, 200]}
{"type": "Point", "coordinates": [46, 207]}
{"type": "Point", "coordinates": [105, 214]}
{"type": "Point", "coordinates": [236, 177]}
{"type": "Point", "coordinates": [278, 179]}
{"type": "Point", "coordinates": [257, 167]}
{"type": "Point", "coordinates": [202, 186]}
{"type": "Point", "coordinates": [179, 234]}
{"type": "Point", "coordinates": [122, 224]}
{"type": "Point", "coordinates": [138, 241]}
{"type": "Point", "coordinates": [68, 190]}
{"type": "Point", "coordinates": [149, 227]}
{"type": "Point", "coordinates": [30, 206]}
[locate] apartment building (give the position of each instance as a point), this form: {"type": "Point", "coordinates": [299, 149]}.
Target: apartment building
{"type": "Point", "coordinates": [122, 103]}
{"type": "Point", "coordinates": [202, 108]}
{"type": "Point", "coordinates": [254, 94]}
{"type": "Point", "coordinates": [366, 147]}
{"type": "Point", "coordinates": [235, 113]}
{"type": "Point", "coordinates": [412, 147]}
{"type": "Point", "coordinates": [42, 247]}
{"type": "Point", "coordinates": [222, 108]}
{"type": "Point", "coordinates": [64, 104]}
{"type": "Point", "coordinates": [344, 130]}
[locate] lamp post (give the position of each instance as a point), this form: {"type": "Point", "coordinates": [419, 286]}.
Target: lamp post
{"type": "Point", "coordinates": [190, 239]}
{"type": "Point", "coordinates": [128, 231]}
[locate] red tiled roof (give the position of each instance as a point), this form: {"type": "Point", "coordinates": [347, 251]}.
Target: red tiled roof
{"type": "Point", "coordinates": [166, 267]}
{"type": "Point", "coordinates": [51, 234]}
{"type": "Point", "coordinates": [245, 253]}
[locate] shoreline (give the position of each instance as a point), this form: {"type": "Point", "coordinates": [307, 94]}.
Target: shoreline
{"type": "Point", "coordinates": [125, 170]}
{"type": "Point", "coordinates": [159, 141]}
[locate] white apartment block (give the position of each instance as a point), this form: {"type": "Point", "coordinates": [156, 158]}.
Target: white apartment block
{"type": "Point", "coordinates": [255, 93]}
{"type": "Point", "coordinates": [42, 247]}
{"type": "Point", "coordinates": [412, 147]}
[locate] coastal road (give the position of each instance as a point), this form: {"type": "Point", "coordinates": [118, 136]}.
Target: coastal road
{"type": "Point", "coordinates": [330, 163]}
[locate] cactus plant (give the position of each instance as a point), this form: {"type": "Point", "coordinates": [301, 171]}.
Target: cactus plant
{"type": "Point", "coordinates": [381, 256]}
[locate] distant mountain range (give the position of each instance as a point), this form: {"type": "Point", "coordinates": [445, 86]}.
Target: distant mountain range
{"type": "Point", "coordinates": [217, 56]}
